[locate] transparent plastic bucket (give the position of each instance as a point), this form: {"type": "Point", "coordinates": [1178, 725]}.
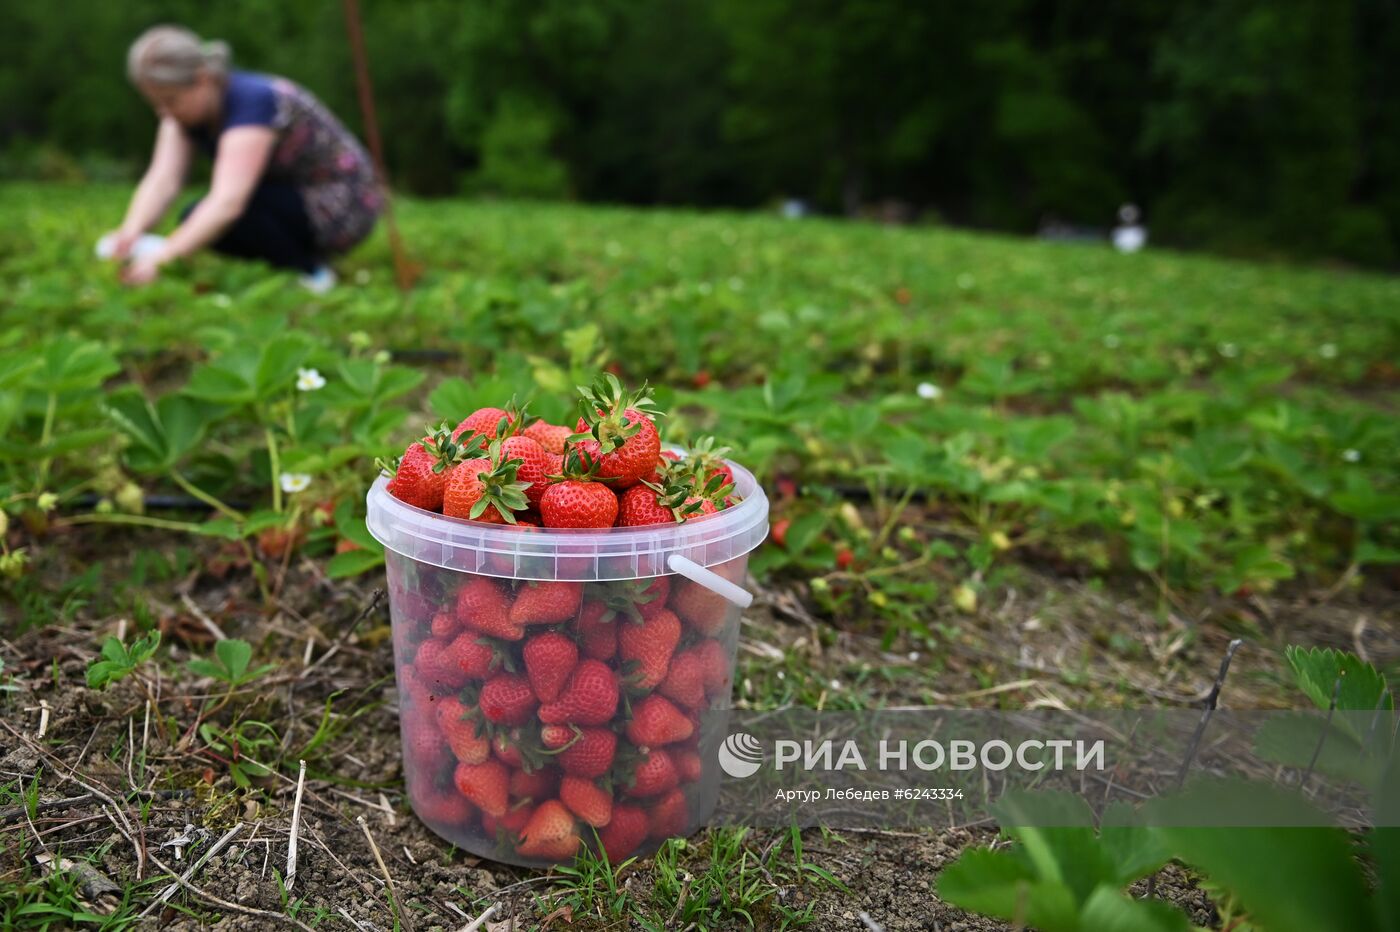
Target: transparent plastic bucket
{"type": "Point", "coordinates": [483, 618]}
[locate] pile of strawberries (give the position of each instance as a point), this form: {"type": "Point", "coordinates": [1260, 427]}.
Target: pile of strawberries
{"type": "Point", "coordinates": [609, 471]}
{"type": "Point", "coordinates": [542, 716]}
{"type": "Point", "coordinates": [536, 714]}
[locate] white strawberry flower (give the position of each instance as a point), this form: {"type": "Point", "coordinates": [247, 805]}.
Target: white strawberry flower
{"type": "Point", "coordinates": [928, 391]}
{"type": "Point", "coordinates": [1327, 351]}
{"type": "Point", "coordinates": [1351, 456]}
{"type": "Point", "coordinates": [293, 482]}
{"type": "Point", "coordinates": [309, 380]}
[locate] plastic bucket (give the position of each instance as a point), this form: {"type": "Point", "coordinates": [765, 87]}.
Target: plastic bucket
{"type": "Point", "coordinates": [486, 617]}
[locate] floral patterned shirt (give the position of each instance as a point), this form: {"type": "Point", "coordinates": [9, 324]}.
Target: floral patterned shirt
{"type": "Point", "coordinates": [314, 153]}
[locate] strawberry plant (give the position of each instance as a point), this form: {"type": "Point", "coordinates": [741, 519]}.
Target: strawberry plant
{"type": "Point", "coordinates": [1066, 877]}
{"type": "Point", "coordinates": [121, 660]}
{"type": "Point", "coordinates": [1268, 853]}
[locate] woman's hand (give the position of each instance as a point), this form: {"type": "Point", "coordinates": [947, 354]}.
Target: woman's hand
{"type": "Point", "coordinates": [122, 241]}
{"type": "Point", "coordinates": [143, 271]}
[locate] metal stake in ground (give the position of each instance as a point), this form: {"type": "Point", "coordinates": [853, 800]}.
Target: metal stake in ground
{"type": "Point", "coordinates": [1209, 711]}
{"type": "Point", "coordinates": [405, 272]}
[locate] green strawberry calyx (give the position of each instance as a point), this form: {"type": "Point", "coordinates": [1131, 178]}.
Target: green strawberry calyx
{"type": "Point", "coordinates": [500, 487]}
{"type": "Point", "coordinates": [603, 407]}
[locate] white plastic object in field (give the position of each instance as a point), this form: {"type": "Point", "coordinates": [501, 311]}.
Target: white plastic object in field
{"type": "Point", "coordinates": [710, 580]}
{"type": "Point", "coordinates": [146, 245]}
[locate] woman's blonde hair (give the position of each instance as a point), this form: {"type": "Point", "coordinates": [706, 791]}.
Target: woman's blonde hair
{"type": "Point", "coordinates": [173, 55]}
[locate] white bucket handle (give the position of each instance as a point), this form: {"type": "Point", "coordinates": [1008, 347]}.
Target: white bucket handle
{"type": "Point", "coordinates": [710, 580]}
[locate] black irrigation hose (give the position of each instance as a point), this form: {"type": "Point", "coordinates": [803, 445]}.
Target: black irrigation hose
{"type": "Point", "coordinates": [860, 492]}
{"type": "Point", "coordinates": [158, 503]}
{"type": "Point", "coordinates": [425, 355]}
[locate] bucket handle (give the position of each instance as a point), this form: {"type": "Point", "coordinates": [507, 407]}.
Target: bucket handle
{"type": "Point", "coordinates": [710, 580]}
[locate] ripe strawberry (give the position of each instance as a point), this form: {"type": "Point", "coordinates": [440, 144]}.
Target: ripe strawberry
{"type": "Point", "coordinates": [689, 764]}
{"type": "Point", "coordinates": [622, 435]}
{"type": "Point", "coordinates": [417, 479]}
{"type": "Point", "coordinates": [483, 607]}
{"type": "Point", "coordinates": [508, 825]}
{"type": "Point", "coordinates": [550, 834]}
{"type": "Point", "coordinates": [501, 562]}
{"type": "Point", "coordinates": [656, 721]}
{"type": "Point", "coordinates": [780, 531]}
{"type": "Point", "coordinates": [549, 659]}
{"type": "Point", "coordinates": [551, 437]}
{"type": "Point", "coordinates": [536, 465]}
{"type": "Point", "coordinates": [485, 489]}
{"type": "Point", "coordinates": [444, 625]}
{"type": "Point", "coordinates": [699, 508]}
{"type": "Point", "coordinates": [587, 800]}
{"type": "Point", "coordinates": [507, 699]}
{"type": "Point", "coordinates": [672, 494]}
{"type": "Point", "coordinates": [624, 832]}
{"type": "Point", "coordinates": [419, 475]}
{"type": "Point", "coordinates": [685, 679]}
{"type": "Point", "coordinates": [844, 558]}
{"type": "Point", "coordinates": [466, 652]}
{"type": "Point", "coordinates": [627, 460]}
{"type": "Point", "coordinates": [663, 465]}
{"type": "Point", "coordinates": [596, 625]}
{"type": "Point", "coordinates": [534, 785]}
{"type": "Point", "coordinates": [715, 658]}
{"type": "Point", "coordinates": [578, 503]}
{"type": "Point", "coordinates": [483, 423]}
{"type": "Point", "coordinates": [655, 774]}
{"type": "Point", "coordinates": [276, 542]}
{"type": "Point", "coordinates": [423, 744]}
{"type": "Point", "coordinates": [469, 745]}
{"type": "Point", "coordinates": [642, 505]}
{"type": "Point", "coordinates": [440, 808]}
{"type": "Point", "coordinates": [420, 691]}
{"type": "Point", "coordinates": [416, 608]}
{"type": "Point", "coordinates": [589, 697]}
{"type": "Point", "coordinates": [702, 609]}
{"type": "Point", "coordinates": [651, 598]}
{"type": "Point", "coordinates": [635, 599]}
{"type": "Point", "coordinates": [651, 643]}
{"type": "Point", "coordinates": [436, 668]}
{"type": "Point", "coordinates": [486, 784]}
{"type": "Point", "coordinates": [538, 603]}
{"type": "Point", "coordinates": [581, 752]}
{"type": "Point", "coordinates": [346, 545]}
{"type": "Point", "coordinates": [509, 748]}
{"type": "Point", "coordinates": [668, 817]}
{"type": "Point", "coordinates": [714, 477]}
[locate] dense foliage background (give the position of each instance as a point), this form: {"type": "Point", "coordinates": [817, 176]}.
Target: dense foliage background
{"type": "Point", "coordinates": [1254, 126]}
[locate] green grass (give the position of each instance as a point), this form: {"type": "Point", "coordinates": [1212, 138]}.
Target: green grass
{"type": "Point", "coordinates": [721, 877]}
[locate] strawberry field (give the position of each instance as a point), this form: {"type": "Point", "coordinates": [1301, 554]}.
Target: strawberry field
{"type": "Point", "coordinates": [1002, 474]}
